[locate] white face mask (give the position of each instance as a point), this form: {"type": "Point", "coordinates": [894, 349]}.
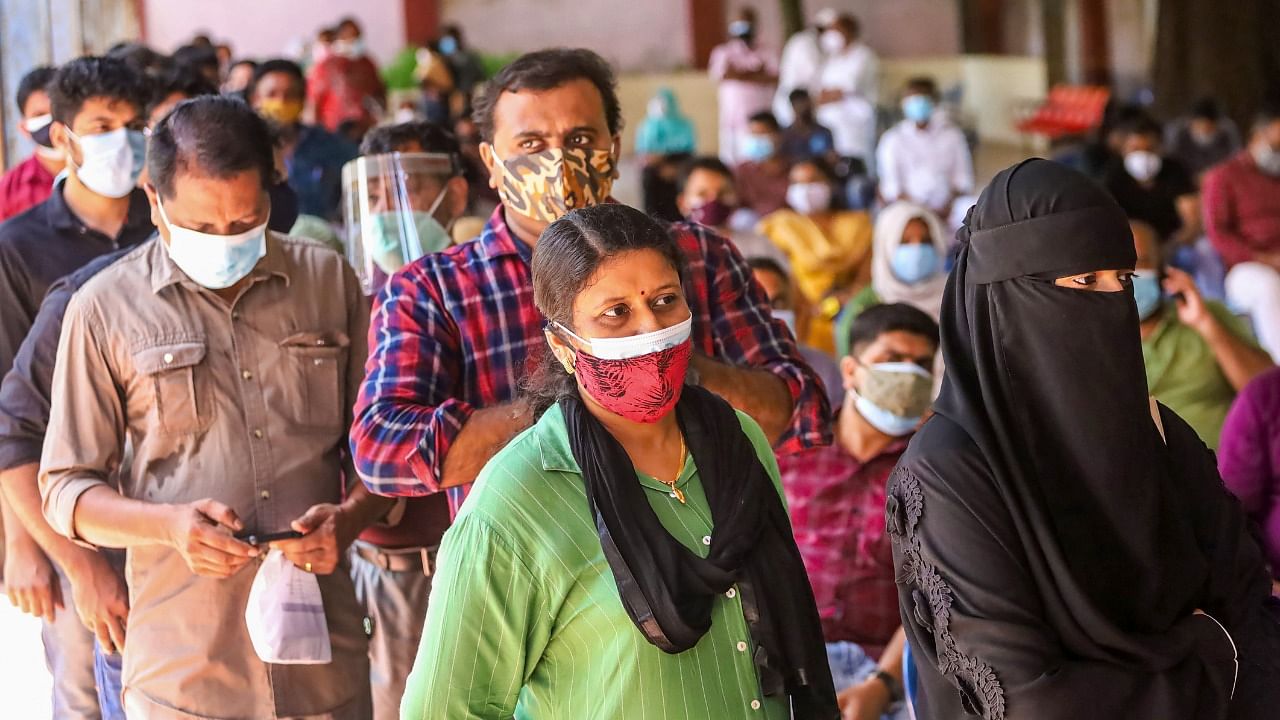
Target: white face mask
{"type": "Point", "coordinates": [111, 161]}
{"type": "Point", "coordinates": [634, 345]}
{"type": "Point", "coordinates": [214, 261]}
{"type": "Point", "coordinates": [1142, 165]}
{"type": "Point", "coordinates": [809, 198]}
{"type": "Point", "coordinates": [831, 41]}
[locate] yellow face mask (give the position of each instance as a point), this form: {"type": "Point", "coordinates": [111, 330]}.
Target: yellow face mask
{"type": "Point", "coordinates": [545, 186]}
{"type": "Point", "coordinates": [285, 112]}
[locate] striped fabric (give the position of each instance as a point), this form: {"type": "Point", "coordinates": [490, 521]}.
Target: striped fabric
{"type": "Point", "coordinates": [525, 619]}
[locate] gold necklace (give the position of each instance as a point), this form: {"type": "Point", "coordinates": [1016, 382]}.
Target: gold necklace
{"type": "Point", "coordinates": [676, 492]}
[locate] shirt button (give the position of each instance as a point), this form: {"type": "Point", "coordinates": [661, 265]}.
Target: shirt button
{"type": "Point", "coordinates": [742, 646]}
{"type": "Point", "coordinates": [733, 593]}
{"type": "Point", "coordinates": [755, 704]}
{"type": "Point", "coordinates": [706, 539]}
{"type": "Point", "coordinates": [673, 495]}
{"type": "Point", "coordinates": [246, 375]}
{"type": "Point", "coordinates": [318, 361]}
{"type": "Point", "coordinates": [235, 315]}
{"type": "Point", "coordinates": [168, 358]}
{"type": "Point", "coordinates": [257, 434]}
{"type": "Point", "coordinates": [266, 494]}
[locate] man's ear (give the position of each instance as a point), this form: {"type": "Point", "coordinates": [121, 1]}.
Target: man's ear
{"type": "Point", "coordinates": [849, 372]}
{"type": "Point", "coordinates": [60, 138]}
{"type": "Point", "coordinates": [490, 160]}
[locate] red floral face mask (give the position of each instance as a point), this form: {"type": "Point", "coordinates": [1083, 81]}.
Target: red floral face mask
{"type": "Point", "coordinates": [641, 388]}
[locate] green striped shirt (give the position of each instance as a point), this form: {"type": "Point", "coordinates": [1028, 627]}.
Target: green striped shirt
{"type": "Point", "coordinates": [525, 619]}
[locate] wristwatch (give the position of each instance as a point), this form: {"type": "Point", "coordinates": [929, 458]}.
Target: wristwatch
{"type": "Point", "coordinates": [890, 682]}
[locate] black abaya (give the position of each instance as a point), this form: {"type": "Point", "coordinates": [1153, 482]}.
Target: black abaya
{"type": "Point", "coordinates": [1052, 549]}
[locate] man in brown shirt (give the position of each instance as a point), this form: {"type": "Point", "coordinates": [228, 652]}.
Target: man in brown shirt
{"type": "Point", "coordinates": [229, 357]}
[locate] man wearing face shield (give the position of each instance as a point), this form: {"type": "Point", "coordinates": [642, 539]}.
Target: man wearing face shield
{"type": "Point", "coordinates": [455, 331]}
{"type": "Point", "coordinates": [229, 354]}
{"type": "Point", "coordinates": [30, 181]}
{"type": "Point", "coordinates": [401, 198]}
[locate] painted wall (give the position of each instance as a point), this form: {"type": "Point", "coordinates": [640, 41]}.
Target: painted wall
{"type": "Point", "coordinates": [272, 28]}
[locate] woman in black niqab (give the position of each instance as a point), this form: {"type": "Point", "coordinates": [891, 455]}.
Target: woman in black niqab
{"type": "Point", "coordinates": [1064, 546]}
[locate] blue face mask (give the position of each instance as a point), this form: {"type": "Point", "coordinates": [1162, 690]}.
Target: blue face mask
{"type": "Point", "coordinates": [756, 148]}
{"type": "Point", "coordinates": [1147, 293]}
{"type": "Point", "coordinates": [917, 108]}
{"type": "Point", "coordinates": [448, 45]}
{"type": "Point", "coordinates": [914, 263]}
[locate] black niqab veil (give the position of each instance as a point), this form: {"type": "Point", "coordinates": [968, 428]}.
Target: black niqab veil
{"type": "Point", "coordinates": [1049, 383]}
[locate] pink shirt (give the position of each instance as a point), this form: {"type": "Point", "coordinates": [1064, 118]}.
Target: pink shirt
{"type": "Point", "coordinates": [25, 185]}
{"type": "Point", "coordinates": [1242, 209]}
{"type": "Point", "coordinates": [740, 99]}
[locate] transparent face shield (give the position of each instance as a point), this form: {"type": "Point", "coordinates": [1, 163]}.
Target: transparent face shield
{"type": "Point", "coordinates": [395, 211]}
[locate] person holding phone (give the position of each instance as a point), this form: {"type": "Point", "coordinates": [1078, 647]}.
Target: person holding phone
{"type": "Point", "coordinates": [1197, 354]}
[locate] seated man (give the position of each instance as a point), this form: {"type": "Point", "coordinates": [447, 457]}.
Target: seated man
{"type": "Point", "coordinates": [706, 194]}
{"type": "Point", "coordinates": [1203, 139]}
{"type": "Point", "coordinates": [1198, 355]}
{"type": "Point", "coordinates": [925, 158]}
{"type": "Point", "coordinates": [762, 172]}
{"type": "Point", "coordinates": [1152, 188]}
{"type": "Point", "coordinates": [230, 355]}
{"type": "Point", "coordinates": [804, 138]}
{"type": "Point", "coordinates": [836, 495]}
{"type": "Point", "coordinates": [1242, 214]}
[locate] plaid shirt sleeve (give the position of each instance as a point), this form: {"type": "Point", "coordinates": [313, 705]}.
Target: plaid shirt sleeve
{"type": "Point", "coordinates": [407, 413]}
{"type": "Point", "coordinates": [746, 334]}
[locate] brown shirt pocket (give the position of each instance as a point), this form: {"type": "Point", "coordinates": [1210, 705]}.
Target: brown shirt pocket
{"type": "Point", "coordinates": [174, 375]}
{"type": "Point", "coordinates": [317, 361]}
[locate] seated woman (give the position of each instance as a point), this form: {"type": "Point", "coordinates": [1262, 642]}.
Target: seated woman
{"type": "Point", "coordinates": [907, 252]}
{"type": "Point", "coordinates": [1064, 546]}
{"type": "Point", "coordinates": [828, 249]}
{"type": "Point", "coordinates": [629, 556]}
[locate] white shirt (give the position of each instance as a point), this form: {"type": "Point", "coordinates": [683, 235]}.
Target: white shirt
{"type": "Point", "coordinates": [926, 164]}
{"type": "Point", "coordinates": [739, 99]}
{"type": "Point", "coordinates": [799, 68]}
{"type": "Point", "coordinates": [852, 120]}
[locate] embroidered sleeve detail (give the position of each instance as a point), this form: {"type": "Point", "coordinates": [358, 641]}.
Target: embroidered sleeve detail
{"type": "Point", "coordinates": [980, 691]}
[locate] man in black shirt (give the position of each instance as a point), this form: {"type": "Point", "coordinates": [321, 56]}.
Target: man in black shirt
{"type": "Point", "coordinates": [97, 119]}
{"type": "Point", "coordinates": [1153, 188]}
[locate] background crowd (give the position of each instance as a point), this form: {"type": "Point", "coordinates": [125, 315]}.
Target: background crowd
{"type": "Point", "coordinates": [403, 347]}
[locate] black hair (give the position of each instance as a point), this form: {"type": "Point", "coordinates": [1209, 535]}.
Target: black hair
{"type": "Point", "coordinates": [278, 65]}
{"type": "Point", "coordinates": [546, 70]}
{"type": "Point", "coordinates": [567, 255]}
{"type": "Point", "coordinates": [710, 163]}
{"type": "Point", "coordinates": [886, 318]}
{"type": "Point", "coordinates": [822, 166]}
{"type": "Point", "coordinates": [431, 137]}
{"type": "Point", "coordinates": [37, 79]}
{"type": "Point", "coordinates": [768, 264]}
{"type": "Point", "coordinates": [219, 135]}
{"type": "Point", "coordinates": [1142, 124]}
{"type": "Point", "coordinates": [95, 77]}
{"type": "Point", "coordinates": [797, 95]}
{"type": "Point", "coordinates": [141, 58]}
{"type": "Point", "coordinates": [1268, 113]}
{"type": "Point", "coordinates": [187, 80]}
{"type": "Point", "coordinates": [1206, 108]}
{"type": "Point", "coordinates": [924, 84]}
{"type": "Point", "coordinates": [764, 117]}
{"type": "Point", "coordinates": [199, 57]}
{"type": "Point", "coordinates": [453, 31]}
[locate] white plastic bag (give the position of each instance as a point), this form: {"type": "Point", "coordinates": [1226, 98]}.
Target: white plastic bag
{"type": "Point", "coordinates": [285, 615]}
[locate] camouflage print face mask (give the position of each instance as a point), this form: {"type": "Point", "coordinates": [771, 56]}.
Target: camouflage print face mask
{"type": "Point", "coordinates": [545, 186]}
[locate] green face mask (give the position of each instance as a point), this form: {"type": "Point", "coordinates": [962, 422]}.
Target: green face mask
{"type": "Point", "coordinates": [395, 239]}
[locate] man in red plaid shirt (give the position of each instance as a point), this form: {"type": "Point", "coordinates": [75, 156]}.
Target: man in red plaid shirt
{"type": "Point", "coordinates": [453, 333]}
{"type": "Point", "coordinates": [836, 496]}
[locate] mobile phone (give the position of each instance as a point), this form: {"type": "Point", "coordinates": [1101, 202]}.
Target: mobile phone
{"type": "Point", "coordinates": [264, 538]}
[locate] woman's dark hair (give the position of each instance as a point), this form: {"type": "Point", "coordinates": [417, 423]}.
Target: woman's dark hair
{"type": "Point", "coordinates": [569, 252]}
{"type": "Point", "coordinates": [217, 135]}
{"type": "Point", "coordinates": [546, 70]}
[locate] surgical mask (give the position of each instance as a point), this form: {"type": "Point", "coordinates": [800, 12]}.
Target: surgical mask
{"type": "Point", "coordinates": [545, 186]}
{"type": "Point", "coordinates": [831, 41]}
{"type": "Point", "coordinates": [639, 377]}
{"type": "Point", "coordinates": [740, 29]}
{"type": "Point", "coordinates": [788, 317]}
{"type": "Point", "coordinates": [448, 45]}
{"type": "Point", "coordinates": [349, 48]}
{"type": "Point", "coordinates": [110, 162]}
{"type": "Point", "coordinates": [712, 213]}
{"type": "Point", "coordinates": [1203, 139]}
{"type": "Point", "coordinates": [809, 198]}
{"type": "Point", "coordinates": [214, 261]}
{"type": "Point", "coordinates": [389, 241]}
{"type": "Point", "coordinates": [1142, 165]}
{"type": "Point", "coordinates": [756, 148]}
{"type": "Point", "coordinates": [917, 108]}
{"type": "Point", "coordinates": [894, 397]}
{"type": "Point", "coordinates": [914, 263]}
{"type": "Point", "coordinates": [284, 112]}
{"type": "Point", "coordinates": [1266, 157]}
{"type": "Point", "coordinates": [1147, 292]}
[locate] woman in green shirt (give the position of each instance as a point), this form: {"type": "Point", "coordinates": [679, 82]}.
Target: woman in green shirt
{"type": "Point", "coordinates": [629, 556]}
